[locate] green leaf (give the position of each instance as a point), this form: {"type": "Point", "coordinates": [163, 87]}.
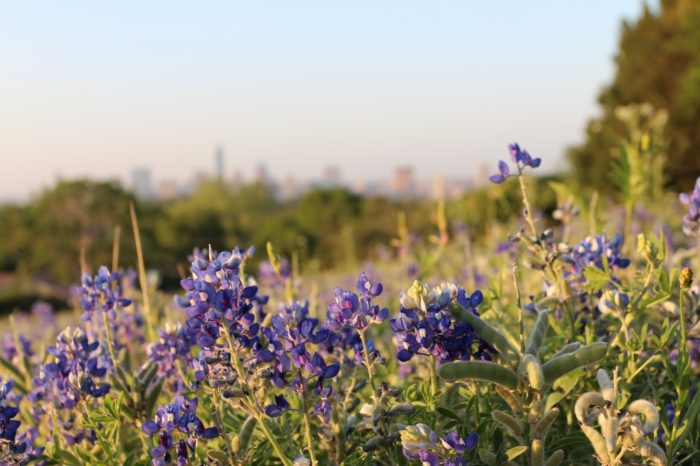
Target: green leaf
{"type": "Point", "coordinates": [596, 279]}
{"type": "Point", "coordinates": [447, 413]}
{"type": "Point", "coordinates": [514, 452]}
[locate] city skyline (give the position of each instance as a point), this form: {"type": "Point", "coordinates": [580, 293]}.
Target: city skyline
{"type": "Point", "coordinates": [364, 89]}
{"type": "Point", "coordinates": [404, 182]}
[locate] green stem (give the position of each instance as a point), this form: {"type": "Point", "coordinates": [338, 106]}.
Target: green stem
{"type": "Point", "coordinates": [433, 376]}
{"type": "Point", "coordinates": [526, 203]}
{"type": "Point", "coordinates": [368, 365]}
{"type": "Point", "coordinates": [307, 422]}
{"type": "Point", "coordinates": [108, 337]}
{"type": "Point", "coordinates": [218, 418]}
{"type": "Point", "coordinates": [521, 316]}
{"type": "Point", "coordinates": [681, 368]}
{"type": "Point", "coordinates": [236, 364]}
{"type": "Point", "coordinates": [143, 281]}
{"type": "Point", "coordinates": [683, 350]}
{"type": "Point", "coordinates": [270, 437]}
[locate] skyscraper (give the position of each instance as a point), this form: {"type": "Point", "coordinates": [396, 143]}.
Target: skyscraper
{"type": "Point", "coordinates": [141, 183]}
{"type": "Point", "coordinates": [219, 160]}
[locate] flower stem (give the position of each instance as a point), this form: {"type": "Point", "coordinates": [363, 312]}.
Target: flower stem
{"type": "Point", "coordinates": [270, 437]}
{"type": "Point", "coordinates": [307, 422]}
{"type": "Point", "coordinates": [143, 281]}
{"type": "Point", "coordinates": [236, 364]}
{"type": "Point", "coordinates": [108, 337]}
{"type": "Point", "coordinates": [521, 317]}
{"type": "Point", "coordinates": [526, 204]}
{"type": "Point", "coordinates": [368, 365]}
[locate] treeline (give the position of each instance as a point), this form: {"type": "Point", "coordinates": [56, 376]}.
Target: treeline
{"type": "Point", "coordinates": [46, 240]}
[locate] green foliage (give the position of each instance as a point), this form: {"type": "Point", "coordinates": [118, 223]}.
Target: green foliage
{"type": "Point", "coordinates": [658, 63]}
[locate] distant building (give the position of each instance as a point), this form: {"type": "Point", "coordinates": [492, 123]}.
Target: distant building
{"type": "Point", "coordinates": [331, 177]}
{"type": "Point", "coordinates": [261, 175]}
{"type": "Point", "coordinates": [168, 190]}
{"type": "Point", "coordinates": [404, 184]}
{"type": "Point", "coordinates": [438, 189]}
{"type": "Point", "coordinates": [141, 183]}
{"type": "Point", "coordinates": [220, 162]}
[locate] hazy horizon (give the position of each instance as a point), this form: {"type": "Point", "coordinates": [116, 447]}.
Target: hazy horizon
{"type": "Point", "coordinates": [100, 89]}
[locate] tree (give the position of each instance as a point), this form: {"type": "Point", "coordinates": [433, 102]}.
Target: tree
{"type": "Point", "coordinates": [658, 62]}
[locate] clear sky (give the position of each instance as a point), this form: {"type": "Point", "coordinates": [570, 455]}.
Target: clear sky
{"type": "Point", "coordinates": [99, 88]}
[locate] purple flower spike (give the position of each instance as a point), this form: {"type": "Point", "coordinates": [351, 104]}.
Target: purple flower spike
{"type": "Point", "coordinates": [504, 171]}
{"type": "Point", "coordinates": [691, 221]}
{"type": "Point", "coordinates": [521, 158]}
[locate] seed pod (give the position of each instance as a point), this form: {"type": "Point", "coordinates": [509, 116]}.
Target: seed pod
{"type": "Point", "coordinates": [557, 367]}
{"type": "Point", "coordinates": [537, 453]}
{"type": "Point", "coordinates": [544, 424]}
{"type": "Point", "coordinates": [246, 433]}
{"type": "Point", "coordinates": [479, 370]}
{"type": "Point", "coordinates": [648, 410]}
{"type": "Point", "coordinates": [218, 456]}
{"type": "Point", "coordinates": [488, 457]}
{"type": "Point", "coordinates": [538, 333]}
{"type": "Point", "coordinates": [492, 336]}
{"type": "Point", "coordinates": [400, 409]}
{"type": "Point", "coordinates": [651, 451]}
{"type": "Point", "coordinates": [509, 398]}
{"type": "Point", "coordinates": [531, 369]}
{"type": "Point", "coordinates": [377, 415]}
{"type": "Point", "coordinates": [566, 349]}
{"type": "Point", "coordinates": [507, 421]}
{"type": "Point", "coordinates": [584, 402]}
{"type": "Point", "coordinates": [606, 386]}
{"type": "Point", "coordinates": [598, 443]}
{"type": "Point", "coordinates": [233, 393]}
{"type": "Point", "coordinates": [535, 412]}
{"type": "Point", "coordinates": [374, 443]}
{"type": "Point", "coordinates": [609, 427]}
{"type": "Point", "coordinates": [555, 459]}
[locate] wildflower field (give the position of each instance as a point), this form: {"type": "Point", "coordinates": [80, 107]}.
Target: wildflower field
{"type": "Point", "coordinates": [569, 337]}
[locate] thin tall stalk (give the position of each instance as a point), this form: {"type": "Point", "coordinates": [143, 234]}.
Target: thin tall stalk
{"type": "Point", "coordinates": [143, 280]}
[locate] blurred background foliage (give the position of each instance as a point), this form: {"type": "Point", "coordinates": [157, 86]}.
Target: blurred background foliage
{"type": "Point", "coordinates": [325, 228]}
{"type": "Point", "coordinates": [658, 63]}
{"type": "Point", "coordinates": [645, 142]}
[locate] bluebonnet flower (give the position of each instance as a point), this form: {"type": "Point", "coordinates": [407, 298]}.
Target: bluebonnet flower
{"type": "Point", "coordinates": [613, 302]}
{"type": "Point", "coordinates": [350, 313]}
{"type": "Point", "coordinates": [102, 292]}
{"type": "Point", "coordinates": [177, 421]}
{"type": "Point", "coordinates": [270, 278]}
{"type": "Point", "coordinates": [32, 451]}
{"type": "Point", "coordinates": [521, 158]}
{"type": "Point", "coordinates": [278, 407]}
{"type": "Point", "coordinates": [421, 443]}
{"type": "Point", "coordinates": [295, 344]}
{"type": "Point", "coordinates": [173, 347]}
{"type": "Point", "coordinates": [12, 353]}
{"type": "Point", "coordinates": [351, 310]}
{"type": "Point", "coordinates": [426, 326]}
{"type": "Point", "coordinates": [590, 251]}
{"type": "Point", "coordinates": [215, 296]}
{"type": "Point", "coordinates": [43, 311]}
{"type": "Point", "coordinates": [691, 221]}
{"type": "Point", "coordinates": [76, 371]}
{"type": "Point", "coordinates": [10, 449]}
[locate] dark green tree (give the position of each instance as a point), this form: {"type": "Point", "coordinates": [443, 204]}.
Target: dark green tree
{"type": "Point", "coordinates": [658, 62]}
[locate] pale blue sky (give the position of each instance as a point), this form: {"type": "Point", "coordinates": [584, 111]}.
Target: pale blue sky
{"type": "Point", "coordinates": [98, 88]}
